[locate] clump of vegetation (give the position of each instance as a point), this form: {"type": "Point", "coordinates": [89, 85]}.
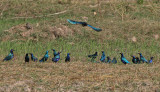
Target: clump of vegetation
{"type": "Point", "coordinates": [140, 1]}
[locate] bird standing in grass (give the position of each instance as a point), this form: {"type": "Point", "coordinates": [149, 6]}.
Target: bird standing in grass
{"type": "Point", "coordinates": [142, 58]}
{"type": "Point", "coordinates": [54, 52]}
{"type": "Point", "coordinates": [67, 57]}
{"type": "Point", "coordinates": [103, 57]}
{"type": "Point", "coordinates": [108, 59]}
{"type": "Point", "coordinates": [10, 55]}
{"type": "Point", "coordinates": [93, 57]}
{"type": "Point", "coordinates": [27, 58]}
{"type": "Point", "coordinates": [138, 60]}
{"type": "Point", "coordinates": [151, 60]}
{"type": "Point", "coordinates": [33, 58]}
{"type": "Point", "coordinates": [84, 24]}
{"type": "Point", "coordinates": [124, 60]}
{"type": "Point", "coordinates": [134, 60]}
{"type": "Point", "coordinates": [114, 61]}
{"type": "Point", "coordinates": [45, 57]}
{"type": "Point", "coordinates": [56, 58]}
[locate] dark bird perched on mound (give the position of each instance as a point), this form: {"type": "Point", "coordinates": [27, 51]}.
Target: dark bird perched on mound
{"type": "Point", "coordinates": [93, 57]}
{"type": "Point", "coordinates": [114, 61]}
{"type": "Point", "coordinates": [67, 57]}
{"type": "Point", "coordinates": [10, 55]}
{"type": "Point", "coordinates": [124, 60]}
{"type": "Point", "coordinates": [151, 60]}
{"type": "Point", "coordinates": [84, 24]}
{"type": "Point", "coordinates": [142, 58]}
{"type": "Point", "coordinates": [33, 58]}
{"type": "Point", "coordinates": [45, 57]}
{"type": "Point", "coordinates": [27, 58]}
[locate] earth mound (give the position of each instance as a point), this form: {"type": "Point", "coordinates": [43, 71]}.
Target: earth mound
{"type": "Point", "coordinates": [25, 32]}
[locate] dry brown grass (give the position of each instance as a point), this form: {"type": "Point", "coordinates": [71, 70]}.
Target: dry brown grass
{"type": "Point", "coordinates": [78, 76]}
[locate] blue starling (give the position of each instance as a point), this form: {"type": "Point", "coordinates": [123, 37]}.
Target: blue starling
{"type": "Point", "coordinates": [84, 24]}
{"type": "Point", "coordinates": [124, 60]}
{"type": "Point", "coordinates": [10, 55]}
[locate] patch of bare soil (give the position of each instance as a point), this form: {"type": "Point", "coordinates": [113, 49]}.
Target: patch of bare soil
{"type": "Point", "coordinates": [33, 32]}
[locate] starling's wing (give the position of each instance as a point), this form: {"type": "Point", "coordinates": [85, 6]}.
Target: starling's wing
{"type": "Point", "coordinates": [96, 29]}
{"type": "Point", "coordinates": [74, 22]}
{"type": "Point", "coordinates": [35, 59]}
{"type": "Point", "coordinates": [125, 60]}
{"type": "Point", "coordinates": [144, 59]}
{"type": "Point", "coordinates": [8, 57]}
{"type": "Point", "coordinates": [115, 61]}
{"type": "Point", "coordinates": [90, 56]}
{"type": "Point", "coordinates": [42, 60]}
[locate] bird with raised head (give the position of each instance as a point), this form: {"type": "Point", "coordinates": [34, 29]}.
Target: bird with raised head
{"type": "Point", "coordinates": [124, 60]}
{"type": "Point", "coordinates": [26, 58]}
{"type": "Point", "coordinates": [142, 58]}
{"type": "Point", "coordinates": [67, 59]}
{"type": "Point", "coordinates": [45, 57]}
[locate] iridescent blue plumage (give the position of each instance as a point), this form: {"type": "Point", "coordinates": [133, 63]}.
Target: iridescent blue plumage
{"type": "Point", "coordinates": [33, 58]}
{"type": "Point", "coordinates": [67, 57]}
{"type": "Point", "coordinates": [151, 60]}
{"type": "Point", "coordinates": [114, 61]}
{"type": "Point", "coordinates": [108, 59]}
{"type": "Point", "coordinates": [45, 57]}
{"type": "Point", "coordinates": [54, 52]}
{"type": "Point", "coordinates": [96, 29]}
{"type": "Point", "coordinates": [103, 57]}
{"type": "Point", "coordinates": [124, 60]}
{"type": "Point", "coordinates": [134, 60]}
{"type": "Point", "coordinates": [142, 58]}
{"type": "Point", "coordinates": [10, 55]}
{"type": "Point", "coordinates": [56, 57]}
{"type": "Point", "coordinates": [84, 24]}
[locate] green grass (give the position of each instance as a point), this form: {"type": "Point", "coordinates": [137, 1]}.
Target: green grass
{"type": "Point", "coordinates": [120, 25]}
